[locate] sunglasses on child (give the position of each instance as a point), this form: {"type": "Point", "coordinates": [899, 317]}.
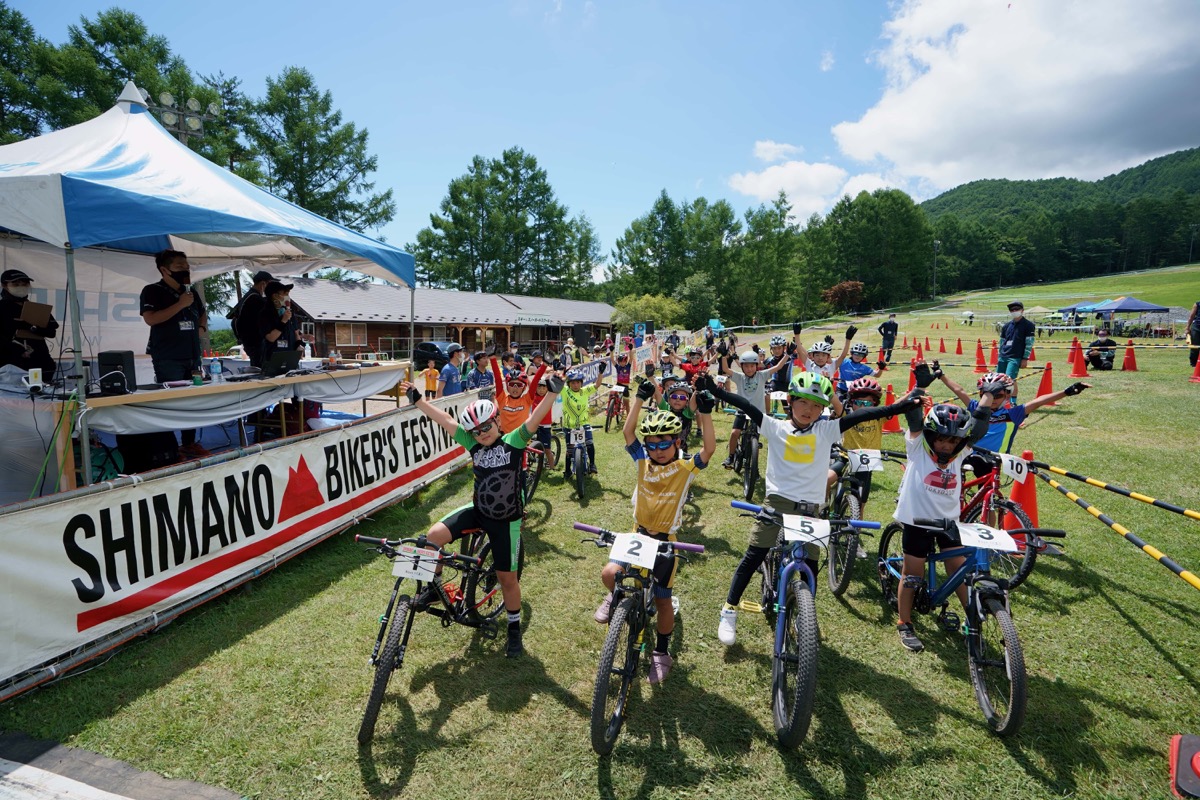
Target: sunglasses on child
{"type": "Point", "coordinates": [482, 429]}
{"type": "Point", "coordinates": [659, 445]}
{"type": "Point", "coordinates": [680, 396]}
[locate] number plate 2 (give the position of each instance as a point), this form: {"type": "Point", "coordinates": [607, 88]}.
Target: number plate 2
{"type": "Point", "coordinates": [636, 549]}
{"type": "Point", "coordinates": [415, 563]}
{"type": "Point", "coordinates": [805, 529]}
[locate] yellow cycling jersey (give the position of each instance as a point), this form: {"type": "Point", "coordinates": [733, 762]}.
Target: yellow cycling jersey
{"type": "Point", "coordinates": [661, 490]}
{"type": "Point", "coordinates": [575, 406]}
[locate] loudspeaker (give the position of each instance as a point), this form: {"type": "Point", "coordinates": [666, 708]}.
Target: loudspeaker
{"type": "Point", "coordinates": [117, 372]}
{"type": "Point", "coordinates": [582, 336]}
{"type": "Point", "coordinates": [649, 326]}
{"type": "Point", "coordinates": [143, 452]}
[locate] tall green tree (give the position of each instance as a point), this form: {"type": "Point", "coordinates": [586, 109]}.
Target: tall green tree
{"type": "Point", "coordinates": [697, 300]}
{"type": "Point", "coordinates": [22, 110]}
{"type": "Point", "coordinates": [652, 250]}
{"type": "Point", "coordinates": [314, 159]}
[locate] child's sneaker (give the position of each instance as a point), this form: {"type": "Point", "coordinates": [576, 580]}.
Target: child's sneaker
{"type": "Point", "coordinates": [727, 629]}
{"type": "Point", "coordinates": [604, 610]}
{"type": "Point", "coordinates": [660, 667]}
{"type": "Point", "coordinates": [908, 637]}
{"type": "Point", "coordinates": [514, 648]}
{"type": "Point", "coordinates": [728, 463]}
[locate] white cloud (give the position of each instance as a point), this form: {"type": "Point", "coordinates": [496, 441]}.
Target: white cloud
{"type": "Point", "coordinates": [1030, 89]}
{"type": "Point", "coordinates": [810, 187]}
{"type": "Point", "coordinates": [770, 152]}
{"type": "Point", "coordinates": [826, 60]}
{"type": "Point", "coordinates": [866, 182]}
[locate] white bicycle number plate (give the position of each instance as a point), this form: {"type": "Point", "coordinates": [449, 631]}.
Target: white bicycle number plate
{"type": "Point", "coordinates": [780, 396]}
{"type": "Point", "coordinates": [972, 534]}
{"type": "Point", "coordinates": [1015, 468]}
{"type": "Point", "coordinates": [616, 390]}
{"type": "Point", "coordinates": [415, 563]}
{"type": "Point", "coordinates": [576, 436]}
{"type": "Point", "coordinates": [805, 529]}
{"type": "Point", "coordinates": [865, 460]}
{"type": "Point", "coordinates": [636, 549]}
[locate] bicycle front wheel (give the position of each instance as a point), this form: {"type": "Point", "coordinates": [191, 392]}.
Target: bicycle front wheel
{"type": "Point", "coordinates": [794, 673]}
{"type": "Point", "coordinates": [388, 662]}
{"type": "Point", "coordinates": [1012, 567]}
{"type": "Point", "coordinates": [615, 675]}
{"type": "Point", "coordinates": [579, 465]}
{"type": "Point", "coordinates": [997, 667]}
{"type": "Point", "coordinates": [750, 470]}
{"type": "Point", "coordinates": [891, 557]}
{"type": "Point", "coordinates": [611, 414]}
{"type": "Point", "coordinates": [484, 598]}
{"type": "Point", "coordinates": [843, 544]}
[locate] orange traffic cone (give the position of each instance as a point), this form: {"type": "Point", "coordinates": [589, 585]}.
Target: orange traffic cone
{"type": "Point", "coordinates": [880, 355]}
{"type": "Point", "coordinates": [1032, 357]}
{"type": "Point", "coordinates": [980, 364]}
{"type": "Point", "coordinates": [941, 345]}
{"type": "Point", "coordinates": [1130, 362]}
{"type": "Point", "coordinates": [1196, 373]}
{"type": "Point", "coordinates": [927, 347]}
{"type": "Point", "coordinates": [891, 424]}
{"type": "Point", "coordinates": [920, 352]}
{"type": "Point", "coordinates": [994, 358]}
{"type": "Point", "coordinates": [1047, 384]}
{"type": "Point", "coordinates": [912, 374]}
{"type": "Point", "coordinates": [958, 347]}
{"type": "Point", "coordinates": [905, 344]}
{"type": "Point", "coordinates": [1079, 368]}
{"type": "Point", "coordinates": [1024, 494]}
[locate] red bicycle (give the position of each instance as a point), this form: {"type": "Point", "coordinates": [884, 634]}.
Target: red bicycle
{"type": "Point", "coordinates": [617, 406]}
{"type": "Point", "coordinates": [983, 501]}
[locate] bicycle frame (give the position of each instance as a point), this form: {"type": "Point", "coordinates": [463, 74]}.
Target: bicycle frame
{"type": "Point", "coordinates": [978, 561]}
{"type": "Point", "coordinates": [569, 449]}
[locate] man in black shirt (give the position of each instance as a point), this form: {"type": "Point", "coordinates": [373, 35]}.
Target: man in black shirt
{"type": "Point", "coordinates": [276, 322]}
{"type": "Point", "coordinates": [247, 320]}
{"type": "Point", "coordinates": [26, 353]}
{"type": "Point", "coordinates": [888, 331]}
{"type": "Point", "coordinates": [176, 316]}
{"type": "Point", "coordinates": [1101, 352]}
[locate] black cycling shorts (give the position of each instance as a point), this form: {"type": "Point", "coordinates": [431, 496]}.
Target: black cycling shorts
{"type": "Point", "coordinates": [923, 542]}
{"type": "Point", "coordinates": [504, 535]}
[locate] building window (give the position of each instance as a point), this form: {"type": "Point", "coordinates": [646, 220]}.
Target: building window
{"type": "Point", "coordinates": [308, 328]}
{"type": "Point", "coordinates": [350, 334]}
{"type": "Point", "coordinates": [437, 333]}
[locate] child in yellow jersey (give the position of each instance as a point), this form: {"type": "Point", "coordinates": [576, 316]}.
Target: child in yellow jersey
{"type": "Point", "coordinates": [662, 486]}
{"type": "Point", "coordinates": [864, 392]}
{"type": "Point", "coordinates": [430, 374]}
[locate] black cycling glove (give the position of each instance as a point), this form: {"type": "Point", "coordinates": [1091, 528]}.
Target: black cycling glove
{"type": "Point", "coordinates": [937, 370]}
{"type": "Point", "coordinates": [705, 402]}
{"type": "Point", "coordinates": [413, 395]}
{"type": "Point", "coordinates": [796, 328]}
{"type": "Point", "coordinates": [645, 391]}
{"type": "Point", "coordinates": [649, 368]}
{"type": "Point", "coordinates": [1074, 389]}
{"type": "Point", "coordinates": [850, 332]}
{"type": "Point", "coordinates": [602, 366]}
{"type": "Point", "coordinates": [828, 340]}
{"type": "Point", "coordinates": [554, 384]}
{"type": "Point", "coordinates": [924, 375]}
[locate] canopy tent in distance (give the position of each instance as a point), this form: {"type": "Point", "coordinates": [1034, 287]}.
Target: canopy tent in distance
{"type": "Point", "coordinates": [1129, 305]}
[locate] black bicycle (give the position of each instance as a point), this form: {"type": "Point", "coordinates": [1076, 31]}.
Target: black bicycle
{"type": "Point", "coordinates": [745, 458]}
{"type": "Point", "coordinates": [847, 503]}
{"type": "Point", "coordinates": [630, 628]}
{"type": "Point", "coordinates": [475, 601]}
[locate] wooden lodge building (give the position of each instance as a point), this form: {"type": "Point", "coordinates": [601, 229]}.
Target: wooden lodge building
{"type": "Point", "coordinates": [355, 318]}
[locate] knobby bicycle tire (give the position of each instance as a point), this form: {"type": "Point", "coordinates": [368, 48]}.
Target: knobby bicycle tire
{"type": "Point", "coordinates": [484, 599]}
{"type": "Point", "coordinates": [556, 446]}
{"type": "Point", "coordinates": [533, 474]}
{"type": "Point", "coordinates": [387, 663]}
{"type": "Point", "coordinates": [794, 671]}
{"type": "Point", "coordinates": [750, 470]}
{"type": "Point", "coordinates": [611, 695]}
{"type": "Point", "coordinates": [843, 544]}
{"type": "Point", "coordinates": [579, 464]}
{"type": "Point", "coordinates": [611, 413]}
{"type": "Point", "coordinates": [891, 548]}
{"type": "Point", "coordinates": [997, 666]}
{"type": "Point", "coordinates": [1013, 567]}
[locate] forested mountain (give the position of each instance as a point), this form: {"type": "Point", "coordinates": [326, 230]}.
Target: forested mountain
{"type": "Point", "coordinates": [989, 200]}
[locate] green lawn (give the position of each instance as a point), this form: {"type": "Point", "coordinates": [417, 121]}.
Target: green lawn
{"type": "Point", "coordinates": [1174, 286]}
{"type": "Point", "coordinates": [262, 692]}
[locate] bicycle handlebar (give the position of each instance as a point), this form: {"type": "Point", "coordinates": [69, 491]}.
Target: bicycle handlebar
{"type": "Point", "coordinates": [579, 526]}
{"type": "Point", "coordinates": [861, 524]}
{"type": "Point", "coordinates": [385, 544]}
{"type": "Point", "coordinates": [949, 524]}
{"type": "Point", "coordinates": [685, 546]}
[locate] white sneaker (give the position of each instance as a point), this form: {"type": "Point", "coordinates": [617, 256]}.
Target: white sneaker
{"type": "Point", "coordinates": [727, 629]}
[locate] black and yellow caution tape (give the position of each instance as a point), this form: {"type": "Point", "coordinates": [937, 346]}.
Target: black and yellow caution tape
{"type": "Point", "coordinates": [1187, 512]}
{"type": "Point", "coordinates": [1149, 550]}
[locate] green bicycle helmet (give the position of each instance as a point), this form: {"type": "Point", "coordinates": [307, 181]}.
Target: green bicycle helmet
{"type": "Point", "coordinates": [811, 386]}
{"type": "Point", "coordinates": [660, 423]}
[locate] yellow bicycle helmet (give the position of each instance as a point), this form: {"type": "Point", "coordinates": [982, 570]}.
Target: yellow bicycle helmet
{"type": "Point", "coordinates": [660, 423]}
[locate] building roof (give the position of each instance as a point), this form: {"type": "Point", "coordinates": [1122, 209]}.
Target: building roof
{"type": "Point", "coordinates": [338, 301]}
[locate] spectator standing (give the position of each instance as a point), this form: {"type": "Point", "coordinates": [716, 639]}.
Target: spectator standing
{"type": "Point", "coordinates": [450, 381]}
{"type": "Point", "coordinates": [888, 331]}
{"type": "Point", "coordinates": [26, 353]}
{"type": "Point", "coordinates": [1016, 341]}
{"type": "Point", "coordinates": [1193, 327]}
{"type": "Point", "coordinates": [246, 323]}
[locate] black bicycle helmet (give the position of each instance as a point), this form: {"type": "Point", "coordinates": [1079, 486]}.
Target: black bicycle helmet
{"type": "Point", "coordinates": [947, 420]}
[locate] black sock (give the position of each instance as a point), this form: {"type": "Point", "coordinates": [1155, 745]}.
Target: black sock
{"type": "Point", "coordinates": [664, 641]}
{"type": "Point", "coordinates": [514, 622]}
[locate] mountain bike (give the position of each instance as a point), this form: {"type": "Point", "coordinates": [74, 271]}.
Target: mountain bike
{"type": "Point", "coordinates": [577, 456]}
{"type": "Point", "coordinates": [847, 503]}
{"type": "Point", "coordinates": [631, 626]}
{"type": "Point", "coordinates": [475, 602]}
{"type": "Point", "coordinates": [533, 464]}
{"type": "Point", "coordinates": [745, 458]}
{"type": "Point", "coordinates": [995, 659]}
{"type": "Point", "coordinates": [983, 501]}
{"type": "Point", "coordinates": [789, 589]}
{"type": "Point", "coordinates": [615, 412]}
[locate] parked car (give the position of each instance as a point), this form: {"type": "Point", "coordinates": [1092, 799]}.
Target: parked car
{"type": "Point", "coordinates": [431, 350]}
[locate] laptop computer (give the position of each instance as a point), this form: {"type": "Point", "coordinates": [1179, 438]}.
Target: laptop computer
{"type": "Point", "coordinates": [281, 362]}
{"type": "Point", "coordinates": [36, 314]}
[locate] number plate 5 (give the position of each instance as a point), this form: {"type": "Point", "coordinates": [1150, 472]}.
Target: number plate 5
{"type": "Point", "coordinates": [805, 529]}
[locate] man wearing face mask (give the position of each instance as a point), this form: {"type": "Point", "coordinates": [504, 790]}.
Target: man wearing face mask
{"type": "Point", "coordinates": [888, 331]}
{"type": "Point", "coordinates": [16, 350]}
{"type": "Point", "coordinates": [1016, 341]}
{"type": "Point", "coordinates": [276, 322]}
{"type": "Point", "coordinates": [177, 317]}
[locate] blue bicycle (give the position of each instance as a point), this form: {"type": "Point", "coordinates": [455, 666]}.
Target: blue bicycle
{"type": "Point", "coordinates": [995, 660]}
{"type": "Point", "coordinates": [789, 590]}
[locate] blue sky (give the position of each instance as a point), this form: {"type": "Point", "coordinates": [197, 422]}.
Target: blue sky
{"type": "Point", "coordinates": [620, 100]}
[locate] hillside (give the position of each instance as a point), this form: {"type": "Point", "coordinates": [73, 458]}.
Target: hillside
{"type": "Point", "coordinates": [987, 200]}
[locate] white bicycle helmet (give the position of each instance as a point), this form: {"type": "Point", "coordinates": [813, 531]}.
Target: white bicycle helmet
{"type": "Point", "coordinates": [748, 357]}
{"type": "Point", "coordinates": [778, 341]}
{"type": "Point", "coordinates": [476, 413]}
{"type": "Point", "coordinates": [859, 349]}
{"type": "Point", "coordinates": [821, 347]}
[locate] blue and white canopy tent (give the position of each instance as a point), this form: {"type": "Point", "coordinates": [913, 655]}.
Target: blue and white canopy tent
{"type": "Point", "coordinates": [86, 206]}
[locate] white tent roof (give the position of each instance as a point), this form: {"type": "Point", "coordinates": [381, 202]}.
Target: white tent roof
{"type": "Point", "coordinates": [120, 181]}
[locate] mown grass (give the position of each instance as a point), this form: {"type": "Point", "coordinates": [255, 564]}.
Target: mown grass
{"type": "Point", "coordinates": [262, 692]}
{"type": "Point", "coordinates": [1174, 286]}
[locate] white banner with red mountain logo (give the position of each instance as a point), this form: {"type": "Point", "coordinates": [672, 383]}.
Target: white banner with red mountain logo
{"type": "Point", "coordinates": [100, 563]}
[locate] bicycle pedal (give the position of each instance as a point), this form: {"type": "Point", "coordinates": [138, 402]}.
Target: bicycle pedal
{"type": "Point", "coordinates": [750, 607]}
{"type": "Point", "coordinates": [489, 629]}
{"type": "Point", "coordinates": [950, 622]}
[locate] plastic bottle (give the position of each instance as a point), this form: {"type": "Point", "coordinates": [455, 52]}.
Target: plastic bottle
{"type": "Point", "coordinates": [307, 350]}
{"type": "Point", "coordinates": [214, 369]}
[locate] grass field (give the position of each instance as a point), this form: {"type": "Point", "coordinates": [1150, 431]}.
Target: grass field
{"type": "Point", "coordinates": [262, 692]}
{"type": "Point", "coordinates": [1175, 286]}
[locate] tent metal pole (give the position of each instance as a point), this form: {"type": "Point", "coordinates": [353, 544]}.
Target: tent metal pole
{"type": "Point", "coordinates": [412, 327]}
{"type": "Point", "coordinates": [81, 381]}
